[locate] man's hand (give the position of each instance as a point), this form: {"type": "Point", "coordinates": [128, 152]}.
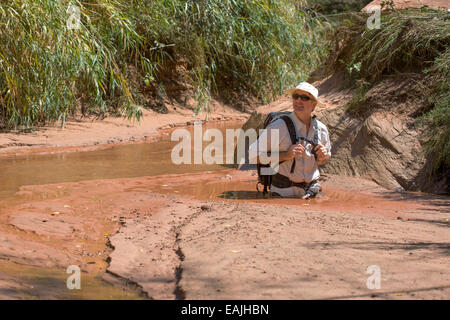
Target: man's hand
{"type": "Point", "coordinates": [322, 154]}
{"type": "Point", "coordinates": [298, 150]}
{"type": "Point", "coordinates": [295, 150]}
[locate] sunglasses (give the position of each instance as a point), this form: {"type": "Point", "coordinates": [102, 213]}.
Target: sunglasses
{"type": "Point", "coordinates": [303, 97]}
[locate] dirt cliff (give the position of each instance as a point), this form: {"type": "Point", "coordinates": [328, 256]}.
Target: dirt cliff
{"type": "Point", "coordinates": [382, 144]}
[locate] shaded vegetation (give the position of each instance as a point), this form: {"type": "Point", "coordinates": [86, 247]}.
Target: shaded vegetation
{"type": "Point", "coordinates": [49, 72]}
{"type": "Point", "coordinates": [409, 43]}
{"type": "Point", "coordinates": [337, 6]}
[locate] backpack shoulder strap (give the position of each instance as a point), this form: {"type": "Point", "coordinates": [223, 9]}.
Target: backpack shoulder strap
{"type": "Point", "coordinates": [316, 135]}
{"type": "Point", "coordinates": [292, 133]}
{"type": "Point", "coordinates": [291, 128]}
{"type": "Point", "coordinates": [316, 130]}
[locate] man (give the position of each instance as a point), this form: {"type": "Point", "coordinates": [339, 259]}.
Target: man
{"type": "Point", "coordinates": [299, 179]}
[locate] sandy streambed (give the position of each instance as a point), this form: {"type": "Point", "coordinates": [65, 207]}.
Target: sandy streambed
{"type": "Point", "coordinates": [165, 237]}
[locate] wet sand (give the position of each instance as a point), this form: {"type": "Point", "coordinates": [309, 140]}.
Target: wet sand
{"type": "Point", "coordinates": [164, 237]}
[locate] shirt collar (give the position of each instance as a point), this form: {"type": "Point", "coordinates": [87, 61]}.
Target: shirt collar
{"type": "Point", "coordinates": [299, 124]}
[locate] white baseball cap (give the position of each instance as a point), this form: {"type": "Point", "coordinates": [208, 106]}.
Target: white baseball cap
{"type": "Point", "coordinates": [305, 86]}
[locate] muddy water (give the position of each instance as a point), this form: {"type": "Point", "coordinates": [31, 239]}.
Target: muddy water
{"type": "Point", "coordinates": [32, 283]}
{"type": "Point", "coordinates": [125, 161]}
{"type": "Point", "coordinates": [153, 159]}
{"type": "Point", "coordinates": [330, 199]}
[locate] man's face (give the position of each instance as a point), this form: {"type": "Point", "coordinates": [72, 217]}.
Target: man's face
{"type": "Point", "coordinates": [302, 107]}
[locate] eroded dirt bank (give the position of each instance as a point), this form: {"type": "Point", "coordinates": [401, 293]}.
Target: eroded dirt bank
{"type": "Point", "coordinates": [167, 238]}
{"type": "Point", "coordinates": [383, 146]}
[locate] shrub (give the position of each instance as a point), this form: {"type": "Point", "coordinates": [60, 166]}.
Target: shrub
{"type": "Point", "coordinates": [48, 71]}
